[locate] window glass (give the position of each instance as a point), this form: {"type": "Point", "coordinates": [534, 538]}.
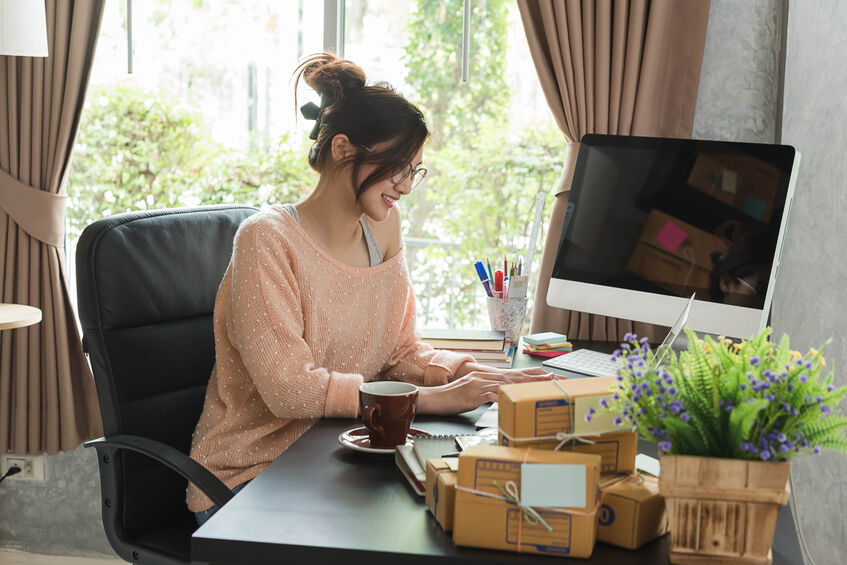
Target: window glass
{"type": "Point", "coordinates": [494, 145]}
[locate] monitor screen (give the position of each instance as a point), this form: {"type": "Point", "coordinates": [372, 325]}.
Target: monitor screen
{"type": "Point", "coordinates": [650, 221]}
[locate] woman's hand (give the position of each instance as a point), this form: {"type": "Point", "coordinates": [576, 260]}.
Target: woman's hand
{"type": "Point", "coordinates": [475, 386]}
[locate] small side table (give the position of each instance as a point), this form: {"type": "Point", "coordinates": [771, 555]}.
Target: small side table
{"type": "Point", "coordinates": [18, 316]}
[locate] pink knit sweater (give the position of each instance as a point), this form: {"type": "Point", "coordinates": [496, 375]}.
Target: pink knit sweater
{"type": "Point", "coordinates": [296, 333]}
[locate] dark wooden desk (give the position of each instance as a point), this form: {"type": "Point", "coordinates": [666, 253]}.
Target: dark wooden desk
{"type": "Point", "coordinates": [320, 501]}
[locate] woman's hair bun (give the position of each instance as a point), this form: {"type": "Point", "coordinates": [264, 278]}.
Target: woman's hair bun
{"type": "Point", "coordinates": [330, 76]}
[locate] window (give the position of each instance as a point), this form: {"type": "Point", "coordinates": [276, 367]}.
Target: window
{"type": "Point", "coordinates": [207, 116]}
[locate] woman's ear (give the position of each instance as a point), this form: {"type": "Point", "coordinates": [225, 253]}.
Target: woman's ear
{"type": "Point", "coordinates": [342, 148]}
{"type": "Point", "coordinates": [723, 281]}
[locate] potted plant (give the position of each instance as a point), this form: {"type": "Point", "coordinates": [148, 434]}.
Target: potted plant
{"type": "Point", "coordinates": [728, 418]}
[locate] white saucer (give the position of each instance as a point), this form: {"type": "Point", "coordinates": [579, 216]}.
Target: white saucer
{"type": "Point", "coordinates": [357, 439]}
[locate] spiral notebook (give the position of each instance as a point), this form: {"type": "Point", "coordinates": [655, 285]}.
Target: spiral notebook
{"type": "Point", "coordinates": [434, 447]}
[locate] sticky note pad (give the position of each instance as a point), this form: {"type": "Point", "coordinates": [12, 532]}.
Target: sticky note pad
{"type": "Point", "coordinates": [553, 485]}
{"type": "Point", "coordinates": [729, 181]}
{"type": "Point", "coordinates": [671, 236]}
{"type": "Point", "coordinates": [753, 207]}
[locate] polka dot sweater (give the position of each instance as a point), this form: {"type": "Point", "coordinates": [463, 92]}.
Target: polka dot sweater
{"type": "Point", "coordinates": [296, 334]}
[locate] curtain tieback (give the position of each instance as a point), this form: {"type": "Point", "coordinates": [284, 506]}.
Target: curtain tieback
{"type": "Point", "coordinates": [566, 180]}
{"type": "Point", "coordinates": [39, 213]}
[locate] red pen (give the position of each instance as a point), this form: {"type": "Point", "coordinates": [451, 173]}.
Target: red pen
{"type": "Point", "coordinates": [498, 283]}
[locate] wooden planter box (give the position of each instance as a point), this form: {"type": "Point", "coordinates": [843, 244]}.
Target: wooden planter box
{"type": "Point", "coordinates": [722, 510]}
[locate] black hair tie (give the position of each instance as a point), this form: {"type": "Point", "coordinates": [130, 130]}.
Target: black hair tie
{"type": "Point", "coordinates": [312, 111]}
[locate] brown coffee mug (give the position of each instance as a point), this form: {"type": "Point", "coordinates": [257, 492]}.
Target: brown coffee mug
{"type": "Point", "coordinates": [388, 409]}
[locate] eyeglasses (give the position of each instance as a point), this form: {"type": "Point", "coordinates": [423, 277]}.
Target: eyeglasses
{"type": "Point", "coordinates": [417, 174]}
{"type": "Point", "coordinates": [760, 288]}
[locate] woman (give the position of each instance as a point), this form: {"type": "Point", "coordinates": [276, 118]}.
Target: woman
{"type": "Point", "coordinates": [317, 300]}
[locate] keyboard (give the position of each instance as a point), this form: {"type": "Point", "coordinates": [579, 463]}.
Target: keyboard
{"type": "Point", "coordinates": [584, 361]}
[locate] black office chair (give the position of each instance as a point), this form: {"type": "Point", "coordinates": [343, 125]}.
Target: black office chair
{"type": "Point", "coordinates": [146, 285]}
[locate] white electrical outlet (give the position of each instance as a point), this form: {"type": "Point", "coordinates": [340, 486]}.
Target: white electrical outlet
{"type": "Point", "coordinates": [31, 466]}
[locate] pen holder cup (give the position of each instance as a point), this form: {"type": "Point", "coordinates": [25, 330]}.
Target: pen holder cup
{"type": "Point", "coordinates": [506, 315]}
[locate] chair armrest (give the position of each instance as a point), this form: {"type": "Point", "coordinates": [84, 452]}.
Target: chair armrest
{"type": "Point", "coordinates": [176, 460]}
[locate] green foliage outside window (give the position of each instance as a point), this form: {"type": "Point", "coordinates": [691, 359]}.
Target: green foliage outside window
{"type": "Point", "coordinates": [140, 150]}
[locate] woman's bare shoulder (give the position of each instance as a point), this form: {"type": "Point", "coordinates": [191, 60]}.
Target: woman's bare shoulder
{"type": "Point", "coordinates": [388, 234]}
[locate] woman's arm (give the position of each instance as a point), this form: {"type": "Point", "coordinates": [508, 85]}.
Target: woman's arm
{"type": "Point", "coordinates": [266, 326]}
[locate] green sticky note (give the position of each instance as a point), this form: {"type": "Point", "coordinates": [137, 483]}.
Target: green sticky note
{"type": "Point", "coordinates": [553, 485]}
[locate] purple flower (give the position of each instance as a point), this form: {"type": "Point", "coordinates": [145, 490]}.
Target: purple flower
{"type": "Point", "coordinates": [676, 407]}
{"type": "Point", "coordinates": [819, 399]}
{"type": "Point", "coordinates": [770, 397]}
{"type": "Point", "coordinates": [604, 403]}
{"type": "Point", "coordinates": [804, 377]}
{"type": "Point", "coordinates": [617, 421]}
{"type": "Point", "coordinates": [663, 415]}
{"type": "Point", "coordinates": [784, 448]}
{"type": "Point", "coordinates": [786, 407]}
{"type": "Point", "coordinates": [665, 445]}
{"type": "Point", "coordinates": [781, 437]}
{"type": "Point", "coordinates": [830, 388]}
{"type": "Point", "coordinates": [615, 396]}
{"type": "Point", "coordinates": [628, 336]}
{"type": "Point", "coordinates": [755, 361]}
{"type": "Point", "coordinates": [818, 450]}
{"type": "Point", "coordinates": [765, 455]}
{"type": "Point", "coordinates": [826, 409]}
{"type": "Point", "coordinates": [684, 417]}
{"type": "Point", "coordinates": [743, 386]}
{"type": "Point", "coordinates": [672, 390]}
{"type": "Point", "coordinates": [808, 365]}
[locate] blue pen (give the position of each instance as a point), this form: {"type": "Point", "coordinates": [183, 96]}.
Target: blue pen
{"type": "Point", "coordinates": [483, 276]}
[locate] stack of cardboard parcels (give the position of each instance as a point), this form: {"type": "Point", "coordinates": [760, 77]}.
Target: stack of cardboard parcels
{"type": "Point", "coordinates": [618, 506]}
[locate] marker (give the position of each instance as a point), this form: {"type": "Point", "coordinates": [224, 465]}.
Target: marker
{"type": "Point", "coordinates": [483, 277]}
{"type": "Point", "coordinates": [498, 283]}
{"type": "Point", "coordinates": [490, 274]}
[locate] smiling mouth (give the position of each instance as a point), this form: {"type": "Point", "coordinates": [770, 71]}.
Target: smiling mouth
{"type": "Point", "coordinates": [389, 201]}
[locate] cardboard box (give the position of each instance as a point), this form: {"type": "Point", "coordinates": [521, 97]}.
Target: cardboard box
{"type": "Point", "coordinates": [489, 522]}
{"type": "Point", "coordinates": [539, 409]}
{"type": "Point", "coordinates": [632, 511]}
{"type": "Point", "coordinates": [441, 490]}
{"type": "Point", "coordinates": [617, 450]}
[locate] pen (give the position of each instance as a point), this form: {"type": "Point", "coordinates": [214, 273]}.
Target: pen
{"type": "Point", "coordinates": [456, 454]}
{"type": "Point", "coordinates": [483, 276]}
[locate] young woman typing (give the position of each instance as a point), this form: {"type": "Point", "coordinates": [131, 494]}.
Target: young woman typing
{"type": "Point", "coordinates": [317, 299]}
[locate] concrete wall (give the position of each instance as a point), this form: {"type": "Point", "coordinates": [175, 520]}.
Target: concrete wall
{"type": "Point", "coordinates": [810, 301]}
{"type": "Point", "coordinates": [739, 81]}
{"type": "Point", "coordinates": [60, 516]}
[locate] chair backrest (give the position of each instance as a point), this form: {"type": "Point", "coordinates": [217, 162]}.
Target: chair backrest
{"type": "Point", "coordinates": [147, 283]}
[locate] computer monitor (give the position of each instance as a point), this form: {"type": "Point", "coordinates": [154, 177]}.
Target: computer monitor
{"type": "Point", "coordinates": [651, 220]}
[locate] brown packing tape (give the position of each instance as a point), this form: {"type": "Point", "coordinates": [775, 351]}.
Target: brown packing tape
{"type": "Point", "coordinates": [491, 522]}
{"type": "Point", "coordinates": [632, 513]}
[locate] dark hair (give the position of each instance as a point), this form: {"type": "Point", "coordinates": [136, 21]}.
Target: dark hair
{"type": "Point", "coordinates": [367, 114]}
{"type": "Point", "coordinates": [743, 258]}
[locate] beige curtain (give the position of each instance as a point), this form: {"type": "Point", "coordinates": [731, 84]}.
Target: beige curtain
{"type": "Point", "coordinates": [628, 67]}
{"type": "Point", "coordinates": [47, 397]}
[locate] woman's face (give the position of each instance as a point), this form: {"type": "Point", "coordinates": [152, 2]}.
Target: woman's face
{"type": "Point", "coordinates": [380, 198]}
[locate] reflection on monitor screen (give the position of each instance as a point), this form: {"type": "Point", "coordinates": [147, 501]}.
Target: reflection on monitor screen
{"type": "Point", "coordinates": [649, 221]}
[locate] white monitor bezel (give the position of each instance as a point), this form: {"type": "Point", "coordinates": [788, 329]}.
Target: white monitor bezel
{"type": "Point", "coordinates": [708, 317]}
